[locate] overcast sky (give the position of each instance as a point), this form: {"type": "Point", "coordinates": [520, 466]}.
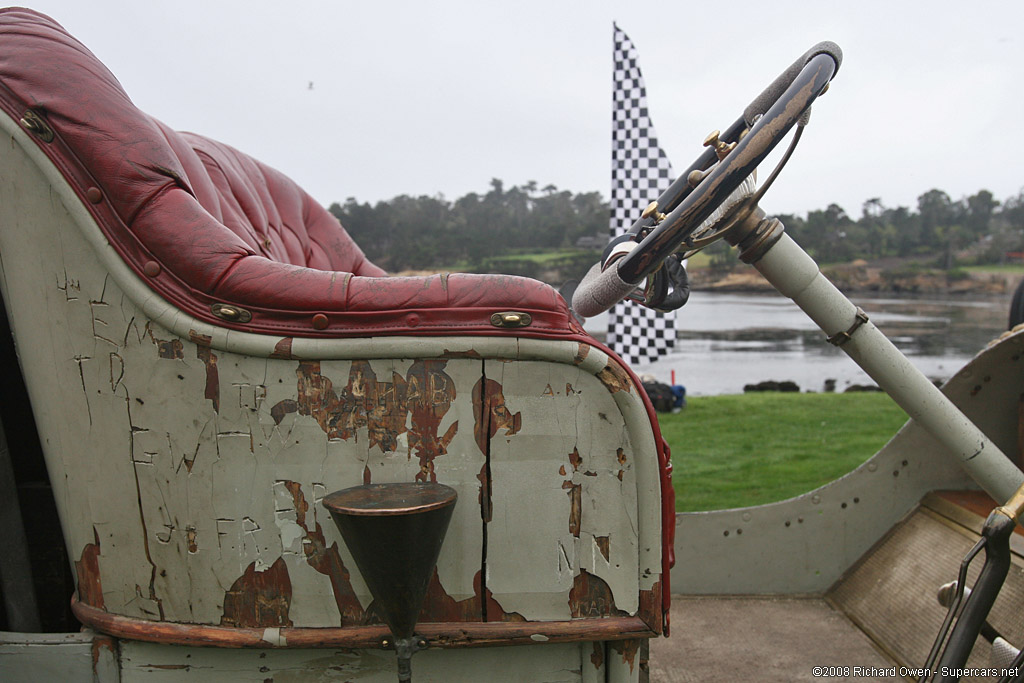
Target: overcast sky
{"type": "Point", "coordinates": [440, 97]}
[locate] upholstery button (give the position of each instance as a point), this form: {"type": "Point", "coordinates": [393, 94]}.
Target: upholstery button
{"type": "Point", "coordinates": [412, 320]}
{"type": "Point", "coordinates": [94, 195]}
{"type": "Point", "coordinates": [151, 268]}
{"type": "Point", "coordinates": [320, 321]}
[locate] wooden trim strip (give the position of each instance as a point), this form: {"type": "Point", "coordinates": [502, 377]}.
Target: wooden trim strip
{"type": "Point", "coordinates": [444, 635]}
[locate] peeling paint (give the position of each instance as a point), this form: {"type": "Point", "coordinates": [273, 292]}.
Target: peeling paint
{"type": "Point", "coordinates": [628, 650]}
{"type": "Point", "coordinates": [87, 570]}
{"type": "Point", "coordinates": [209, 358]}
{"type": "Point", "coordinates": [591, 597]}
{"type": "Point", "coordinates": [597, 656]}
{"type": "Point", "coordinates": [172, 349]}
{"type": "Point", "coordinates": [582, 351]}
{"type": "Point", "coordinates": [471, 354]}
{"type": "Point", "coordinates": [575, 493]}
{"type": "Point", "coordinates": [259, 599]}
{"type": "Point", "coordinates": [438, 606]}
{"type": "Point", "coordinates": [282, 408]}
{"type": "Point", "coordinates": [431, 393]}
{"type": "Point", "coordinates": [422, 398]}
{"type": "Point", "coordinates": [620, 457]}
{"type": "Point", "coordinates": [602, 543]}
{"type": "Point", "coordinates": [326, 560]}
{"type": "Point", "coordinates": [492, 413]}
{"type": "Point", "coordinates": [651, 607]}
{"type": "Point", "coordinates": [484, 496]}
{"type": "Point", "coordinates": [341, 417]}
{"type": "Point", "coordinates": [575, 460]}
{"type": "Point", "coordinates": [100, 643]}
{"type": "Point", "coordinates": [615, 378]}
{"type": "Point", "coordinates": [283, 349]}
{"type": "Point", "coordinates": [494, 611]}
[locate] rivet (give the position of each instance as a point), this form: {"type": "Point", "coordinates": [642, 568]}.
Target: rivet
{"type": "Point", "coordinates": [151, 268]}
{"type": "Point", "coordinates": [231, 313]}
{"type": "Point", "coordinates": [320, 321]}
{"type": "Point", "coordinates": [511, 319]}
{"type": "Point", "coordinates": [94, 195]}
{"type": "Point", "coordinates": [412, 320]}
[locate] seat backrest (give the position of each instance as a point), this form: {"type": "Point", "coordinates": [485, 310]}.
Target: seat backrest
{"type": "Point", "coordinates": [211, 229]}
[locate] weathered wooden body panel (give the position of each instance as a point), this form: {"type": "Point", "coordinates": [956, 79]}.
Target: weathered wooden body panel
{"type": "Point", "coordinates": [189, 461]}
{"type": "Point", "coordinates": [584, 547]}
{"type": "Point", "coordinates": [804, 545]}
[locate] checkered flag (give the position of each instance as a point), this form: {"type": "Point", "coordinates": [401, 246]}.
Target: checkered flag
{"type": "Point", "coordinates": [640, 173]}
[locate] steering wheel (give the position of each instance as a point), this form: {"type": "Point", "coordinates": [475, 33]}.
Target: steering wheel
{"type": "Point", "coordinates": [710, 190]}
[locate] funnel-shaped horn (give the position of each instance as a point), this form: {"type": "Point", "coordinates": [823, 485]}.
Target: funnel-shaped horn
{"type": "Point", "coordinates": [395, 532]}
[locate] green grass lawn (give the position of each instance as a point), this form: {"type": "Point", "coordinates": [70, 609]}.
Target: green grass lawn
{"type": "Point", "coordinates": [739, 450]}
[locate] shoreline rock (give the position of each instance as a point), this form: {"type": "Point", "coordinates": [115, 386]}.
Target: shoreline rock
{"type": "Point", "coordinates": [861, 277]}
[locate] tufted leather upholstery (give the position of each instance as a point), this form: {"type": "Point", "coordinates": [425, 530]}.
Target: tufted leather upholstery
{"type": "Point", "coordinates": [203, 223]}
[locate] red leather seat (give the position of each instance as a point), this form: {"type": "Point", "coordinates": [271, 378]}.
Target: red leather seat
{"type": "Point", "coordinates": [204, 224]}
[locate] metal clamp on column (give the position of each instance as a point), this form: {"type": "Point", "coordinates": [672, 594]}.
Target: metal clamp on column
{"type": "Point", "coordinates": [840, 338]}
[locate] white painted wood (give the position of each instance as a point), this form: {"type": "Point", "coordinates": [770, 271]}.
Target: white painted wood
{"type": "Point", "coordinates": [146, 662]}
{"type": "Point", "coordinates": [48, 657]}
{"type": "Point", "coordinates": [563, 479]}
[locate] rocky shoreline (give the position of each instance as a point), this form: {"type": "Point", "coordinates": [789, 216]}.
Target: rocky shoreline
{"type": "Point", "coordinates": [861, 276]}
{"type": "Point", "coordinates": [887, 276]}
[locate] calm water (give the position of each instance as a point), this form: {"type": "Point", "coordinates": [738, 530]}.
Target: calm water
{"type": "Point", "coordinates": [729, 340]}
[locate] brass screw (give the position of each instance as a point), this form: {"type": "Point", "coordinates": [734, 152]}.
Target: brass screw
{"type": "Point", "coordinates": [721, 148]}
{"type": "Point", "coordinates": [652, 210]}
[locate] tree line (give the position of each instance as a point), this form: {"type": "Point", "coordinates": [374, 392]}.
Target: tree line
{"type": "Point", "coordinates": [433, 232]}
{"type": "Point", "coordinates": [977, 229]}
{"type": "Point", "coordinates": [430, 232]}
